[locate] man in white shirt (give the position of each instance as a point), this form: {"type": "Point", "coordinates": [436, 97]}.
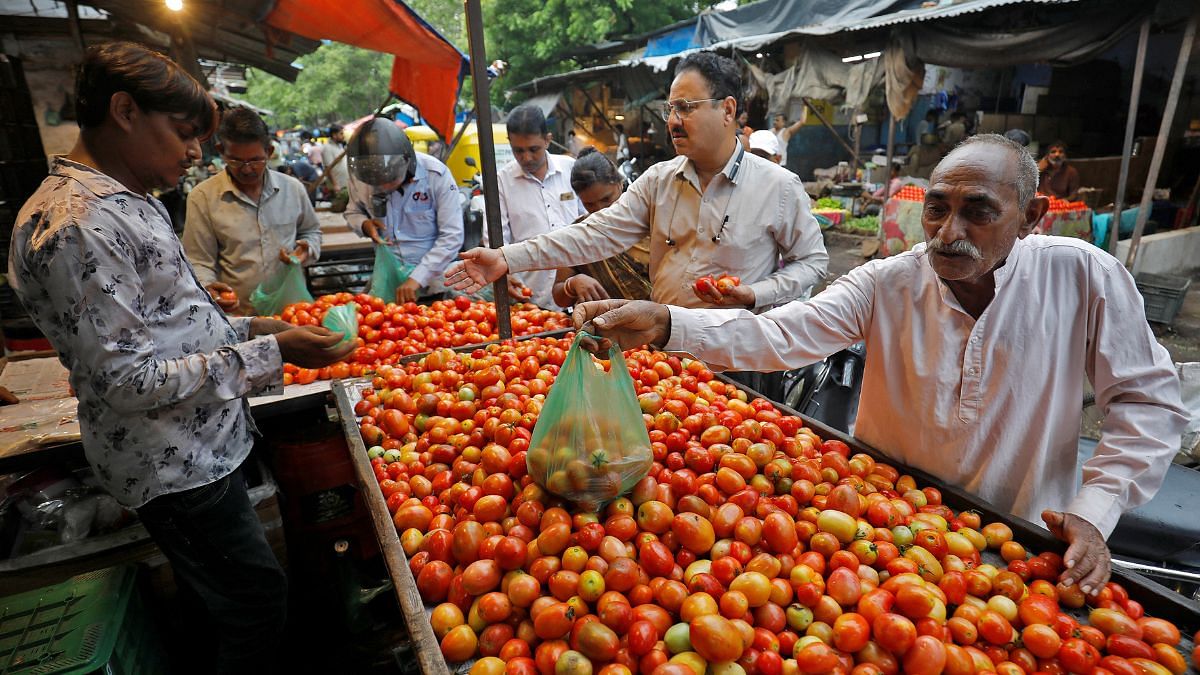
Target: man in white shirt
{"type": "Point", "coordinates": [536, 196]}
{"type": "Point", "coordinates": [715, 209]}
{"type": "Point", "coordinates": [783, 131]}
{"type": "Point", "coordinates": [977, 346]}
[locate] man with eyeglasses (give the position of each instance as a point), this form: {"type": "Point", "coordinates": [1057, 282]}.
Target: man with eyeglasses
{"type": "Point", "coordinates": [715, 209]}
{"type": "Point", "coordinates": [247, 221]}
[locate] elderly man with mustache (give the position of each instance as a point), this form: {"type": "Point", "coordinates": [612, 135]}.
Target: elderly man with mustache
{"type": "Point", "coordinates": [977, 346]}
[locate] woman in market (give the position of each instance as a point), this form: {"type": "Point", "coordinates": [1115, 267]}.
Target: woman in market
{"type": "Point", "coordinates": [599, 184]}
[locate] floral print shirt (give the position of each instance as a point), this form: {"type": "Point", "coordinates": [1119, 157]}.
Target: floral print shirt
{"type": "Point", "coordinates": [160, 372]}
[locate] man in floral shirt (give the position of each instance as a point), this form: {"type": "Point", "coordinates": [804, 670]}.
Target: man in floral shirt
{"type": "Point", "coordinates": [161, 373]}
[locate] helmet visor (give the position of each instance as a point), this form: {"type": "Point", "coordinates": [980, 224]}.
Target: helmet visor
{"type": "Point", "coordinates": [380, 170]}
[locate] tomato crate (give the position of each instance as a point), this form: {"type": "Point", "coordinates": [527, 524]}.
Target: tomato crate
{"type": "Point", "coordinates": [1163, 295]}
{"type": "Point", "coordinates": [92, 623]}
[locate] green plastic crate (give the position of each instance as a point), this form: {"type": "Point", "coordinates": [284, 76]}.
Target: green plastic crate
{"type": "Point", "coordinates": [92, 623]}
{"type": "Point", "coordinates": [1163, 295]}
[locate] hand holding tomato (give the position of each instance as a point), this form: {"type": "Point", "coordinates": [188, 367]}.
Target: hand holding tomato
{"type": "Point", "coordinates": [223, 294]}
{"type": "Point", "coordinates": [726, 291]}
{"type": "Point", "coordinates": [1087, 558]}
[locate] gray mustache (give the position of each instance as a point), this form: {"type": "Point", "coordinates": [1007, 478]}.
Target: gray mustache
{"type": "Point", "coordinates": [957, 247]}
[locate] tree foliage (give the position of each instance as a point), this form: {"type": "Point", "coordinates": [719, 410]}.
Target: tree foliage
{"type": "Point", "coordinates": [338, 83]}
{"type": "Point", "coordinates": [537, 37]}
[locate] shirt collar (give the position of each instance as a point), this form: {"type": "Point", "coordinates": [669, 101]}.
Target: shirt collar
{"type": "Point", "coordinates": [227, 185]}
{"type": "Point", "coordinates": [97, 182]}
{"type": "Point", "coordinates": [552, 168]}
{"type": "Point", "coordinates": [732, 171]}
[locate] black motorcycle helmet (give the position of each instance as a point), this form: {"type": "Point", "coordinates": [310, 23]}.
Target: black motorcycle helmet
{"type": "Point", "coordinates": [380, 154]}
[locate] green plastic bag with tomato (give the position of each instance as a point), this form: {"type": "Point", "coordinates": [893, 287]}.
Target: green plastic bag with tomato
{"type": "Point", "coordinates": [388, 273]}
{"type": "Point", "coordinates": [590, 444]}
{"type": "Point", "coordinates": [285, 287]}
{"type": "Point", "coordinates": [342, 319]}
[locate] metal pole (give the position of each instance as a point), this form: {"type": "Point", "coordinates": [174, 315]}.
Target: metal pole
{"type": "Point", "coordinates": [887, 175]}
{"type": "Point", "coordinates": [1135, 93]}
{"type": "Point", "coordinates": [1164, 130]}
{"type": "Point", "coordinates": [487, 157]}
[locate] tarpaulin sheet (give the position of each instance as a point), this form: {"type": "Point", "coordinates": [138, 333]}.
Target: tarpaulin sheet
{"type": "Point", "coordinates": [427, 71]}
{"type": "Point", "coordinates": [821, 75]}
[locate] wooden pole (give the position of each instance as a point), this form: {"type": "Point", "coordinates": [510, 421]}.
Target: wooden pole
{"type": "Point", "coordinates": [827, 125]}
{"type": "Point", "coordinates": [1164, 130]}
{"type": "Point", "coordinates": [1135, 92]}
{"type": "Point", "coordinates": [487, 158]}
{"type": "Point", "coordinates": [75, 27]}
{"type": "Point", "coordinates": [887, 176]}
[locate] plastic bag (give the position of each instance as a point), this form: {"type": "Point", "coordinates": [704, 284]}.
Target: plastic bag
{"type": "Point", "coordinates": [590, 444]}
{"type": "Point", "coordinates": [282, 289]}
{"type": "Point", "coordinates": [388, 273]}
{"type": "Point", "coordinates": [342, 319]}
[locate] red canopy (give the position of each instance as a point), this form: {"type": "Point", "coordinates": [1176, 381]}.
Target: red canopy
{"type": "Point", "coordinates": [427, 71]}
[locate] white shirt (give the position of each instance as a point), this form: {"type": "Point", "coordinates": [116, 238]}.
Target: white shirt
{"type": "Point", "coordinates": [992, 405]}
{"type": "Point", "coordinates": [784, 136]}
{"type": "Point", "coordinates": [752, 221]}
{"type": "Point", "coordinates": [339, 173]}
{"type": "Point", "coordinates": [529, 207]}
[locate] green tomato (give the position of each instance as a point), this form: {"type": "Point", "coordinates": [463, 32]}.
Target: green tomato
{"type": "Point", "coordinates": [375, 451]}
{"type": "Point", "coordinates": [678, 638]}
{"type": "Point", "coordinates": [392, 455]}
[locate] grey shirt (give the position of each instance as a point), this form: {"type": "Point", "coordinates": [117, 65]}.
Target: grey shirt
{"type": "Point", "coordinates": [233, 239]}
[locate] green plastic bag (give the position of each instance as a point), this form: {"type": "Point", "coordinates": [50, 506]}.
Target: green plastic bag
{"type": "Point", "coordinates": [283, 288]}
{"type": "Point", "coordinates": [590, 444]}
{"type": "Point", "coordinates": [342, 319]}
{"type": "Point", "coordinates": [388, 273]}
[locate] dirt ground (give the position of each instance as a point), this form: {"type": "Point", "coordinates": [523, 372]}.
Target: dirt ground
{"type": "Point", "coordinates": [1181, 338]}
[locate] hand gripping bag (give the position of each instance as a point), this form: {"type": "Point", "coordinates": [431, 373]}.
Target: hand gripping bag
{"type": "Point", "coordinates": [590, 443]}
{"type": "Point", "coordinates": [342, 319]}
{"type": "Point", "coordinates": [388, 273]}
{"type": "Point", "coordinates": [281, 289]}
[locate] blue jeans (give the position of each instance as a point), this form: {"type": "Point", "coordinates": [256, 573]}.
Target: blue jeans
{"type": "Point", "coordinates": [217, 547]}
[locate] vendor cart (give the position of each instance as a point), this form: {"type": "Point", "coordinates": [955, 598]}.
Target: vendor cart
{"type": "Point", "coordinates": [1157, 600]}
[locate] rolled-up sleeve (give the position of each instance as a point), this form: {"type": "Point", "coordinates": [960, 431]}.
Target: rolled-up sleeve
{"type": "Point", "coordinates": [1137, 387]}
{"type": "Point", "coordinates": [600, 236]}
{"type": "Point", "coordinates": [114, 345]}
{"type": "Point", "coordinates": [802, 251]}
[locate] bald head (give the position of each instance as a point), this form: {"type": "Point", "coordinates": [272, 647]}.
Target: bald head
{"type": "Point", "coordinates": [1011, 161]}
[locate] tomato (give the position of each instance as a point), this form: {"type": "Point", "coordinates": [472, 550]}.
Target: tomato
{"type": "Point", "coordinates": [597, 641]}
{"type": "Point", "coordinates": [1158, 630]}
{"type": "Point", "coordinates": [459, 644]}
{"type": "Point", "coordinates": [894, 633]}
{"type": "Point", "coordinates": [851, 632]}
{"type": "Point", "coordinates": [1114, 622]}
{"type": "Point", "coordinates": [641, 637]}
{"type": "Point", "coordinates": [1077, 656]}
{"type": "Point", "coordinates": [1041, 640]}
{"type": "Point", "coordinates": [927, 656]}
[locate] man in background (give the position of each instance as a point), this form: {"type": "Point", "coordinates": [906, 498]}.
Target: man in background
{"type": "Point", "coordinates": [245, 223]}
{"type": "Point", "coordinates": [1058, 177]}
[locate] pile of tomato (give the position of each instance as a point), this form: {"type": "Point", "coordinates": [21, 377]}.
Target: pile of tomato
{"type": "Point", "coordinates": [388, 332]}
{"type": "Point", "coordinates": [910, 193]}
{"type": "Point", "coordinates": [1063, 206]}
{"type": "Point", "coordinates": [752, 546]}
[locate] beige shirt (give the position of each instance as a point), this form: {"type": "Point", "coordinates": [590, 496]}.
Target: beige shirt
{"type": "Point", "coordinates": [759, 210]}
{"type": "Point", "coordinates": [530, 207]}
{"type": "Point", "coordinates": [230, 238]}
{"type": "Point", "coordinates": [991, 405]}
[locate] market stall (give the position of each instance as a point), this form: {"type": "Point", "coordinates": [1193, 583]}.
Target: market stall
{"type": "Point", "coordinates": [464, 618]}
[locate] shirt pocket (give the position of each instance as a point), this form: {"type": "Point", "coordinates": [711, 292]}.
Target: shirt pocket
{"type": "Point", "coordinates": [420, 216]}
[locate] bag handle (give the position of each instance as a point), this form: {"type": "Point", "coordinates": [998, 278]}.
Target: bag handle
{"type": "Point", "coordinates": [616, 358]}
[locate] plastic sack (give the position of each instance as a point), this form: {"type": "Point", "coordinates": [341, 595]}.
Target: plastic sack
{"type": "Point", "coordinates": [590, 444]}
{"type": "Point", "coordinates": [283, 288]}
{"type": "Point", "coordinates": [388, 273]}
{"type": "Point", "coordinates": [342, 319]}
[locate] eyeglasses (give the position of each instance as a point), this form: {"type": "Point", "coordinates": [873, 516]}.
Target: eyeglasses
{"type": "Point", "coordinates": [682, 107]}
{"type": "Point", "coordinates": [237, 164]}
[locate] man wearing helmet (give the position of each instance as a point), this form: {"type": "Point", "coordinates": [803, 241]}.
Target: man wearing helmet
{"type": "Point", "coordinates": [406, 200]}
